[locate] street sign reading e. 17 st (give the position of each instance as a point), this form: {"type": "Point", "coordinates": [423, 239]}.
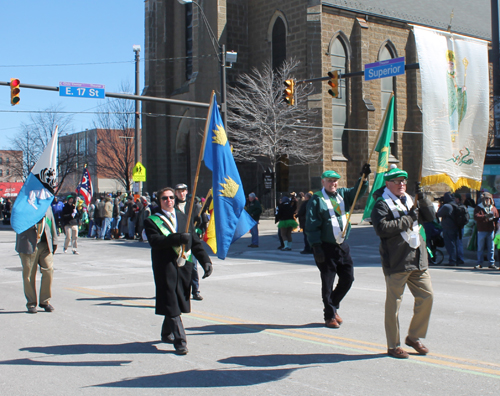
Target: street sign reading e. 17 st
{"type": "Point", "coordinates": [385, 68]}
{"type": "Point", "coordinates": [81, 90]}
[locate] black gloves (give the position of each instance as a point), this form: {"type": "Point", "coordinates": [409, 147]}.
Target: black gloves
{"type": "Point", "coordinates": [366, 170]}
{"type": "Point", "coordinates": [208, 270]}
{"type": "Point", "coordinates": [490, 216]}
{"type": "Point", "coordinates": [319, 254]}
{"type": "Point", "coordinates": [418, 189]}
{"type": "Point", "coordinates": [185, 238]}
{"type": "Point", "coordinates": [178, 239]}
{"type": "Point", "coordinates": [413, 213]}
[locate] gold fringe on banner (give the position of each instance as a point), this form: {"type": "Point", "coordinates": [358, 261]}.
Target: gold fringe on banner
{"type": "Point", "coordinates": [444, 178]}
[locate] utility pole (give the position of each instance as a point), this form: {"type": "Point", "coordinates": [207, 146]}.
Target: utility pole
{"type": "Point", "coordinates": [495, 55]}
{"type": "Point", "coordinates": [137, 50]}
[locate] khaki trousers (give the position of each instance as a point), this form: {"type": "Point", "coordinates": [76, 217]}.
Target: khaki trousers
{"type": "Point", "coordinates": [44, 258]}
{"type": "Point", "coordinates": [419, 283]}
{"type": "Point", "coordinates": [71, 232]}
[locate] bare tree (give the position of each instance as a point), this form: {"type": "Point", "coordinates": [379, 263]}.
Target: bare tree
{"type": "Point", "coordinates": [34, 137]}
{"type": "Point", "coordinates": [263, 128]}
{"type": "Point", "coordinates": [115, 158]}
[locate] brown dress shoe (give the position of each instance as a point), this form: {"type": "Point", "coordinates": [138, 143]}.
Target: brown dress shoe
{"type": "Point", "coordinates": [332, 323]}
{"type": "Point", "coordinates": [338, 318]}
{"type": "Point", "coordinates": [417, 345]}
{"type": "Point", "coordinates": [398, 353]}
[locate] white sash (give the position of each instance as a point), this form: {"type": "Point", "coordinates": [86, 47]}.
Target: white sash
{"type": "Point", "coordinates": [169, 223]}
{"type": "Point", "coordinates": [337, 232]}
{"type": "Point", "coordinates": [411, 237]}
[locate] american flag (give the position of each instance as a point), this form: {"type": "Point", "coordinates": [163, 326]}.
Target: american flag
{"type": "Point", "coordinates": [85, 187]}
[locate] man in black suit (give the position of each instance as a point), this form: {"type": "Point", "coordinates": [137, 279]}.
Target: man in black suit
{"type": "Point", "coordinates": [171, 250]}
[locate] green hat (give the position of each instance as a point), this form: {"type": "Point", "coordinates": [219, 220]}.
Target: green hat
{"type": "Point", "coordinates": [70, 196]}
{"type": "Point", "coordinates": [394, 173]}
{"type": "Point", "coordinates": [330, 175]}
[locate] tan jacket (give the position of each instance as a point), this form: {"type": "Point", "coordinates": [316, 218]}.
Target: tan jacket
{"type": "Point", "coordinates": [26, 242]}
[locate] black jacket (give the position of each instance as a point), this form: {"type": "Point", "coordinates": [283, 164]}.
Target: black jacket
{"type": "Point", "coordinates": [173, 283]}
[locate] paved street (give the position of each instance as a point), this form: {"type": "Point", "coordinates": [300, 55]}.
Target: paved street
{"type": "Point", "coordinates": [258, 331]}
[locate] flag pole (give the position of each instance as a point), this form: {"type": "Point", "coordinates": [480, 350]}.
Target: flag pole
{"type": "Point", "coordinates": [363, 177]}
{"type": "Point", "coordinates": [200, 158]}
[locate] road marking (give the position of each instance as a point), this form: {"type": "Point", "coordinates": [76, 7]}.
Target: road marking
{"type": "Point", "coordinates": [435, 360]}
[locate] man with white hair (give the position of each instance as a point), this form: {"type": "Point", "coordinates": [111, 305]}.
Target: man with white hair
{"type": "Point", "coordinates": [404, 259]}
{"type": "Point", "coordinates": [254, 209]}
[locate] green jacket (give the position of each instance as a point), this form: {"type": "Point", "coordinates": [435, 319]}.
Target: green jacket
{"type": "Point", "coordinates": [318, 223]}
{"type": "Point", "coordinates": [254, 209]}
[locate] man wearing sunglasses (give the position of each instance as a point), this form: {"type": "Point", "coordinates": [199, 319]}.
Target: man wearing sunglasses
{"type": "Point", "coordinates": [404, 258]}
{"type": "Point", "coordinates": [166, 234]}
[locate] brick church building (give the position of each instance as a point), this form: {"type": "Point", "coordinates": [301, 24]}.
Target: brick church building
{"type": "Point", "coordinates": [345, 35]}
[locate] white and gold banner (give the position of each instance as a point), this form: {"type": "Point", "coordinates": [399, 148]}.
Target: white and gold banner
{"type": "Point", "coordinates": [455, 107]}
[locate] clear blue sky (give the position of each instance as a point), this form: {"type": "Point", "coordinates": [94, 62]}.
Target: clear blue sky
{"type": "Point", "coordinates": [45, 42]}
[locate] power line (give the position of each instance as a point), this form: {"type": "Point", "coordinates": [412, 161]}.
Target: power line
{"type": "Point", "coordinates": [101, 113]}
{"type": "Point", "coordinates": [114, 62]}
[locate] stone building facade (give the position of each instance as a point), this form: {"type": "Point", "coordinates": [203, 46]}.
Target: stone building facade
{"type": "Point", "coordinates": [324, 35]}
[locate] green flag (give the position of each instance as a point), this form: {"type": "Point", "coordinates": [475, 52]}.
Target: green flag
{"type": "Point", "coordinates": [383, 148]}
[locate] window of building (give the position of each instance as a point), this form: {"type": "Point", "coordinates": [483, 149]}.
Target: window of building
{"type": "Point", "coordinates": [279, 43]}
{"type": "Point", "coordinates": [7, 172]}
{"type": "Point", "coordinates": [189, 41]}
{"type": "Point", "coordinates": [7, 160]}
{"type": "Point", "coordinates": [338, 60]}
{"type": "Point", "coordinates": [1, 172]}
{"type": "Point", "coordinates": [1, 160]}
{"type": "Point", "coordinates": [387, 86]}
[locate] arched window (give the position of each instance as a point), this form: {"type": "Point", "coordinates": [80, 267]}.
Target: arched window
{"type": "Point", "coordinates": [338, 59]}
{"type": "Point", "coordinates": [279, 43]}
{"type": "Point", "coordinates": [387, 86]}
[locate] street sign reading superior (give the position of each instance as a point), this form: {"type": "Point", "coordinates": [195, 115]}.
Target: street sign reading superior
{"type": "Point", "coordinates": [385, 68]}
{"type": "Point", "coordinates": [81, 90]}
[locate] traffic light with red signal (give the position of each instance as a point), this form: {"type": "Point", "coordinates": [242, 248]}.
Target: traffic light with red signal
{"type": "Point", "coordinates": [289, 92]}
{"type": "Point", "coordinates": [14, 91]}
{"type": "Point", "coordinates": [334, 84]}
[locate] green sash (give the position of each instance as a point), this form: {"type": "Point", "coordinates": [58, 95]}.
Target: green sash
{"type": "Point", "coordinates": [166, 231]}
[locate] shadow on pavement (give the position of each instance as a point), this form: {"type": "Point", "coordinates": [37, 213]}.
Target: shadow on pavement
{"type": "Point", "coordinates": [82, 349]}
{"type": "Point", "coordinates": [283, 360]}
{"type": "Point", "coordinates": [203, 379]}
{"type": "Point", "coordinates": [248, 328]}
{"type": "Point", "coordinates": [30, 362]}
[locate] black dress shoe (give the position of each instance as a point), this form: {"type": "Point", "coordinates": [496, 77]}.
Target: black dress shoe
{"type": "Point", "coordinates": [182, 350]}
{"type": "Point", "coordinates": [169, 338]}
{"type": "Point", "coordinates": [47, 307]}
{"type": "Point", "coordinates": [197, 296]}
{"type": "Point", "coordinates": [32, 310]}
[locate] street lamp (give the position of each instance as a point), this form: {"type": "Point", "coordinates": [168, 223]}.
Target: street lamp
{"type": "Point", "coordinates": [220, 51]}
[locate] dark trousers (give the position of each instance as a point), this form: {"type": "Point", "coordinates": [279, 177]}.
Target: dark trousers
{"type": "Point", "coordinates": [338, 261]}
{"type": "Point", "coordinates": [174, 326]}
{"type": "Point", "coordinates": [195, 279]}
{"type": "Point", "coordinates": [307, 247]}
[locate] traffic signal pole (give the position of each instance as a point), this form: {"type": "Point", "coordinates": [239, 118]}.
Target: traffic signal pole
{"type": "Point", "coordinates": [121, 96]}
{"type": "Point", "coordinates": [411, 66]}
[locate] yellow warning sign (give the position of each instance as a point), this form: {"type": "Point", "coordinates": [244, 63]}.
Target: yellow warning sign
{"type": "Point", "coordinates": [139, 173]}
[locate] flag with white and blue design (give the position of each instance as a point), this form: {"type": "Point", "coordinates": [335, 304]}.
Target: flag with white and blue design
{"type": "Point", "coordinates": [37, 193]}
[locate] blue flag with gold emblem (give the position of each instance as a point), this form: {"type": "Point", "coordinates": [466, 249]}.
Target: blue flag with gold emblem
{"type": "Point", "coordinates": [231, 220]}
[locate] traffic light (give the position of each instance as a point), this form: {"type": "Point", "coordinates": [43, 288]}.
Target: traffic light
{"type": "Point", "coordinates": [289, 93]}
{"type": "Point", "coordinates": [334, 83]}
{"type": "Point", "coordinates": [14, 91]}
